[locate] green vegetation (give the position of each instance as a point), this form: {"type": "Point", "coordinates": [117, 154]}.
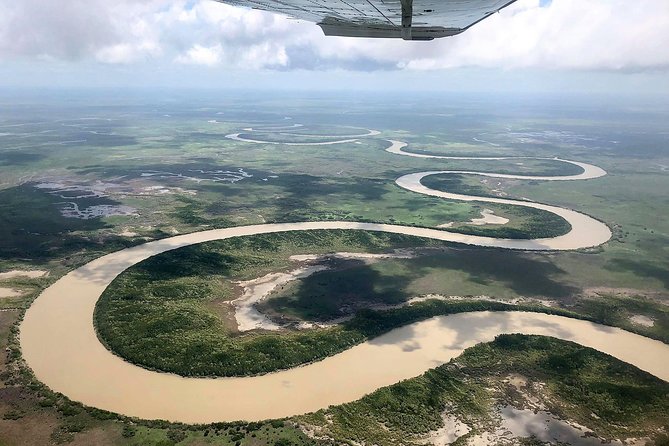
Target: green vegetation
{"type": "Point", "coordinates": [159, 313]}
{"type": "Point", "coordinates": [28, 289]}
{"type": "Point", "coordinates": [522, 165]}
{"type": "Point", "coordinates": [526, 223]}
{"type": "Point", "coordinates": [636, 257]}
{"type": "Point", "coordinates": [122, 139]}
{"type": "Point", "coordinates": [466, 271]}
{"type": "Point", "coordinates": [162, 313]}
{"type": "Point", "coordinates": [274, 137]}
{"type": "Point", "coordinates": [169, 313]}
{"type": "Point", "coordinates": [618, 311]}
{"type": "Point", "coordinates": [450, 272]}
{"type": "Point", "coordinates": [578, 382]}
{"type": "Point", "coordinates": [182, 149]}
{"type": "Point", "coordinates": [186, 340]}
{"type": "Point", "coordinates": [32, 227]}
{"type": "Point", "coordinates": [276, 433]}
{"type": "Point", "coordinates": [575, 383]}
{"type": "Point", "coordinates": [458, 184]}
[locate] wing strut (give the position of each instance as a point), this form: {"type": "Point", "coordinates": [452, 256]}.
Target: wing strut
{"type": "Point", "coordinates": [407, 18]}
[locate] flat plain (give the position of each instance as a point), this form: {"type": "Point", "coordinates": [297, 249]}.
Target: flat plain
{"type": "Point", "coordinates": [95, 174]}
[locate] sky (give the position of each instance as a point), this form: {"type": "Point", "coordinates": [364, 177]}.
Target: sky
{"type": "Point", "coordinates": [602, 46]}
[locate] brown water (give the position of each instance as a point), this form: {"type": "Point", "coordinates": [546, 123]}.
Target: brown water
{"type": "Point", "coordinates": [59, 342]}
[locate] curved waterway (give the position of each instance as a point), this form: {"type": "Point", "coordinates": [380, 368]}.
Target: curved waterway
{"type": "Point", "coordinates": [286, 130]}
{"type": "Point", "coordinates": [59, 341]}
{"type": "Point", "coordinates": [237, 137]}
{"type": "Point", "coordinates": [585, 230]}
{"type": "Point", "coordinates": [338, 139]}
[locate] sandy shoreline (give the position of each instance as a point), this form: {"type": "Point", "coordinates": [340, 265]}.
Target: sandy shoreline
{"type": "Point", "coordinates": [10, 292]}
{"type": "Point", "coordinates": [256, 290]}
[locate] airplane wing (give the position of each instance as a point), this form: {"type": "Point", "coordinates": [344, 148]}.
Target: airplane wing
{"type": "Point", "coordinates": [406, 19]}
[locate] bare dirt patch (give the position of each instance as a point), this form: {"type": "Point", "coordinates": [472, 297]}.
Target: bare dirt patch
{"type": "Point", "coordinates": [30, 430]}
{"type": "Point", "coordinates": [9, 292]}
{"type": "Point", "coordinates": [451, 431]}
{"type": "Point", "coordinates": [31, 274]}
{"type": "Point", "coordinates": [640, 319]}
{"type": "Point", "coordinates": [624, 292]}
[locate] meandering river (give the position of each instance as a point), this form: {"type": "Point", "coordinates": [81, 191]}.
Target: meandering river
{"type": "Point", "coordinates": [59, 341]}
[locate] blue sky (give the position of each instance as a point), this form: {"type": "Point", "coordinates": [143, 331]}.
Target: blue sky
{"type": "Point", "coordinates": [603, 46]}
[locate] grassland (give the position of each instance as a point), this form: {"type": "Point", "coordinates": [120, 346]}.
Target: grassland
{"type": "Point", "coordinates": [275, 137]}
{"type": "Point", "coordinates": [92, 141]}
{"type": "Point", "coordinates": [87, 145]}
{"type": "Point", "coordinates": [524, 223]}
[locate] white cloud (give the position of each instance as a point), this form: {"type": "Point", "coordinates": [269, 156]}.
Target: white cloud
{"type": "Point", "coordinates": [598, 34]}
{"type": "Point", "coordinates": [565, 34]}
{"type": "Point", "coordinates": [200, 55]}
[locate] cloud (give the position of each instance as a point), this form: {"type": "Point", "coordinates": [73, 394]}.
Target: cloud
{"type": "Point", "coordinates": [119, 31]}
{"type": "Point", "coordinates": [572, 34]}
{"type": "Point", "coordinates": [62, 30]}
{"type": "Point", "coordinates": [200, 55]}
{"type": "Point", "coordinates": [559, 34]}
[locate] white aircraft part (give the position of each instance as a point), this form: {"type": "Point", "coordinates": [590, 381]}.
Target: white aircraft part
{"type": "Point", "coordinates": [406, 19]}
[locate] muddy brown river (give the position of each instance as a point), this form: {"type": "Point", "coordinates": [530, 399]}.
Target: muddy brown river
{"type": "Point", "coordinates": [59, 341]}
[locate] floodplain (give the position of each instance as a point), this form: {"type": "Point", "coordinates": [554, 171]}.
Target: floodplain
{"type": "Point", "coordinates": [80, 181]}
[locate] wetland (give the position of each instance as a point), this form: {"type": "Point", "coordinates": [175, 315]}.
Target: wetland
{"type": "Point", "coordinates": [160, 178]}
